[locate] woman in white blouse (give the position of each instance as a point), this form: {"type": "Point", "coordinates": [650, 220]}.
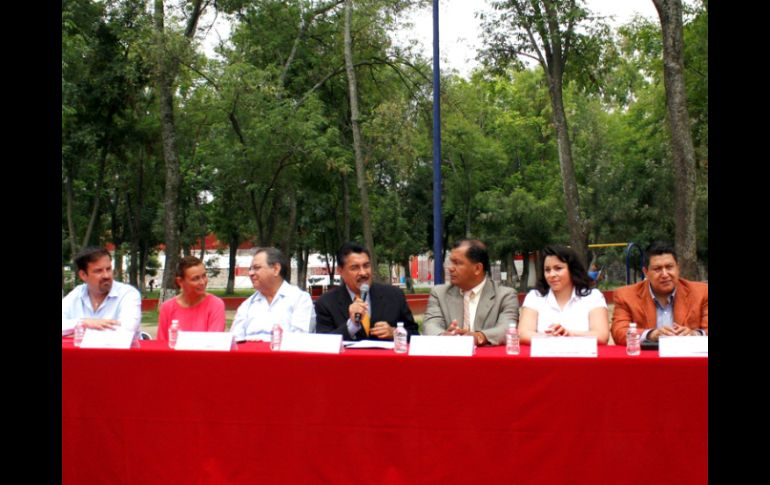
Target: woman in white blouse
{"type": "Point", "coordinates": [563, 303]}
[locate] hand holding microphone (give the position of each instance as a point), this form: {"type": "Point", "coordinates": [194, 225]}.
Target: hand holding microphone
{"type": "Point", "coordinates": [360, 304]}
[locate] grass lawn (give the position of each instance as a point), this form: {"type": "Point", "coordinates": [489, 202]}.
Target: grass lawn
{"type": "Point", "coordinates": [150, 321]}
{"type": "Point", "coordinates": [220, 292]}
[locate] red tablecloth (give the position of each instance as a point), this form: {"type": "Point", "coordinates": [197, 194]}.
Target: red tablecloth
{"type": "Point", "coordinates": [152, 415]}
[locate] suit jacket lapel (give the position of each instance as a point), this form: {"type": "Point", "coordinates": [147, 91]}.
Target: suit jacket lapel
{"type": "Point", "coordinates": [681, 303]}
{"type": "Point", "coordinates": [344, 300]}
{"type": "Point", "coordinates": [375, 299]}
{"type": "Point", "coordinates": [648, 306]}
{"type": "Point", "coordinates": [455, 305]}
{"type": "Point", "coordinates": [486, 301]}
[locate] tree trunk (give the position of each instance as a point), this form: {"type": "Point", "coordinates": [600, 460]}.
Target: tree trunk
{"type": "Point", "coordinates": [117, 236]}
{"type": "Point", "coordinates": [670, 13]}
{"type": "Point", "coordinates": [345, 209]}
{"type": "Point", "coordinates": [511, 270]}
{"type": "Point", "coordinates": [142, 270]}
{"type": "Point", "coordinates": [133, 265]}
{"type": "Point", "coordinates": [203, 245]}
{"type": "Point", "coordinates": [70, 220]}
{"type": "Point", "coordinates": [291, 229]}
{"type": "Point", "coordinates": [97, 195]}
{"type": "Point", "coordinates": [167, 69]}
{"type": "Point", "coordinates": [118, 263]}
{"type": "Point", "coordinates": [408, 276]}
{"type": "Point", "coordinates": [524, 281]}
{"type": "Point", "coordinates": [302, 267]}
{"type": "Point", "coordinates": [70, 201]}
{"type": "Point", "coordinates": [357, 142]}
{"type": "Point", "coordinates": [577, 234]}
{"type": "Point", "coordinates": [233, 242]}
{"type": "Point", "coordinates": [134, 215]}
{"type": "Point", "coordinates": [329, 259]}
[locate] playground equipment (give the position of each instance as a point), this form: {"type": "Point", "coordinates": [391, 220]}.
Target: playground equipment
{"type": "Point", "coordinates": [629, 248]}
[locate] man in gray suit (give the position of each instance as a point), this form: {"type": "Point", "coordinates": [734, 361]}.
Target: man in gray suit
{"type": "Point", "coordinates": [471, 304]}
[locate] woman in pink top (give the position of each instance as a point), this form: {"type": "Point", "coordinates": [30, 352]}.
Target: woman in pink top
{"type": "Point", "coordinates": [195, 309]}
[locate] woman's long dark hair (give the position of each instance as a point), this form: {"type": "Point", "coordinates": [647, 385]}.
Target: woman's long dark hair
{"type": "Point", "coordinates": [580, 279]}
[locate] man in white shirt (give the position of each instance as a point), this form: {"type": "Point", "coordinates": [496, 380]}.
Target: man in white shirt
{"type": "Point", "coordinates": [471, 304]}
{"type": "Point", "coordinates": [100, 302]}
{"type": "Point", "coordinates": [275, 301]}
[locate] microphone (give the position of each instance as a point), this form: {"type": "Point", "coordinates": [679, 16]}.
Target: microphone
{"type": "Point", "coordinates": [364, 292]}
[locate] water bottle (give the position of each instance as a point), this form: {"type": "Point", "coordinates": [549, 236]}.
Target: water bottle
{"type": "Point", "coordinates": [173, 333]}
{"type": "Point", "coordinates": [276, 337]}
{"type": "Point", "coordinates": [80, 332]}
{"type": "Point", "coordinates": [633, 338]}
{"type": "Point", "coordinates": [512, 340]}
{"type": "Point", "coordinates": [400, 338]}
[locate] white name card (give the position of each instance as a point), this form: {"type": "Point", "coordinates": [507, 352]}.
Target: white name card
{"type": "Point", "coordinates": [543, 346]}
{"type": "Point", "coordinates": [683, 346]}
{"type": "Point", "coordinates": [324, 343]}
{"type": "Point", "coordinates": [441, 345]}
{"type": "Point", "coordinates": [107, 339]}
{"type": "Point", "coordinates": [221, 341]}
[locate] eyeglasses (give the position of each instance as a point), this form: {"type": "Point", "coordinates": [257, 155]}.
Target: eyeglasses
{"type": "Point", "coordinates": [256, 267]}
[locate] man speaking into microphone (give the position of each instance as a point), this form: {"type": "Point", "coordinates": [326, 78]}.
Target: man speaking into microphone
{"type": "Point", "coordinates": [361, 309]}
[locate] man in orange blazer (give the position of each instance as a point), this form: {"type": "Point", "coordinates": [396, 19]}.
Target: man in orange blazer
{"type": "Point", "coordinates": [663, 303]}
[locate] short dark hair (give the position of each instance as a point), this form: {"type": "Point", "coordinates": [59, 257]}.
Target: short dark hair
{"type": "Point", "coordinates": [347, 248]}
{"type": "Point", "coordinates": [656, 249]}
{"type": "Point", "coordinates": [477, 252]}
{"type": "Point", "coordinates": [577, 272]}
{"type": "Point", "coordinates": [275, 256]}
{"type": "Point", "coordinates": [89, 255]}
{"type": "Point", "coordinates": [184, 263]}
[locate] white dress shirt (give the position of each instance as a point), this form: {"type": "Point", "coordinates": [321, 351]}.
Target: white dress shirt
{"type": "Point", "coordinates": [474, 300]}
{"type": "Point", "coordinates": [573, 317]}
{"type": "Point", "coordinates": [291, 307]}
{"type": "Point", "coordinates": [123, 303]}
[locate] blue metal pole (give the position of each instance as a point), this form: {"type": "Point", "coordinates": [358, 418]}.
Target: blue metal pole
{"type": "Point", "coordinates": [438, 252]}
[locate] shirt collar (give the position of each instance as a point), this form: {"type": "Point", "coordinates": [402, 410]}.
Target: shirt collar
{"type": "Point", "coordinates": [476, 290]}
{"type": "Point", "coordinates": [353, 295]}
{"type": "Point", "coordinates": [113, 290]}
{"type": "Point", "coordinates": [112, 294]}
{"type": "Point", "coordinates": [281, 292]}
{"type": "Point", "coordinates": [670, 298]}
{"type": "Point", "coordinates": [551, 298]}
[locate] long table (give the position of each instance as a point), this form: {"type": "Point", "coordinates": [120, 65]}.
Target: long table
{"type": "Point", "coordinates": [153, 415]}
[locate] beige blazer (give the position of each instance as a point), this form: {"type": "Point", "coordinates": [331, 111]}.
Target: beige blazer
{"type": "Point", "coordinates": [498, 306]}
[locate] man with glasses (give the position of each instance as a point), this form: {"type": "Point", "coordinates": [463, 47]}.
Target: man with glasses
{"type": "Point", "coordinates": [275, 301]}
{"type": "Point", "coordinates": [662, 303]}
